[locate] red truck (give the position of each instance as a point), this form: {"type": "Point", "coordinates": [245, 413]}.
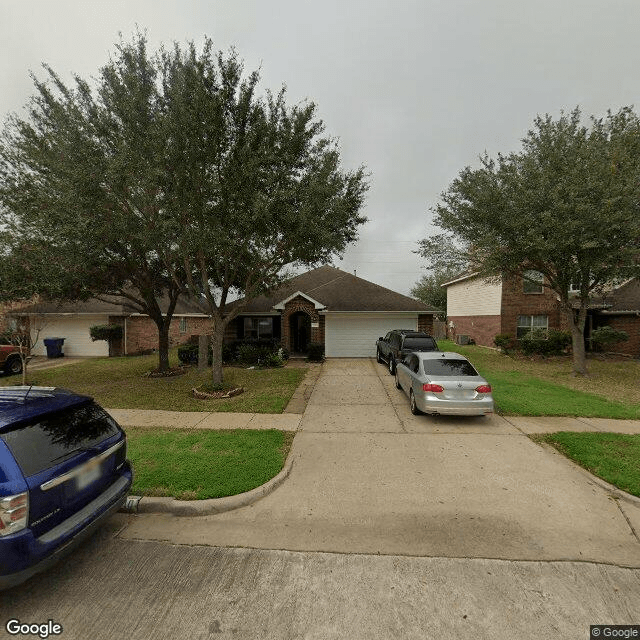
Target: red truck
{"type": "Point", "coordinates": [10, 360]}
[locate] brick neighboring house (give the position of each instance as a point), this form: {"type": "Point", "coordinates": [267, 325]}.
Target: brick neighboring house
{"type": "Point", "coordinates": [482, 308]}
{"type": "Point", "coordinates": [329, 306]}
{"type": "Point", "coordinates": [72, 321]}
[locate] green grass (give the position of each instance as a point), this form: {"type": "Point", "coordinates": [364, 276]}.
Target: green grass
{"type": "Point", "coordinates": [119, 383]}
{"type": "Point", "coordinates": [614, 457]}
{"type": "Point", "coordinates": [529, 387]}
{"type": "Point", "coordinates": [195, 465]}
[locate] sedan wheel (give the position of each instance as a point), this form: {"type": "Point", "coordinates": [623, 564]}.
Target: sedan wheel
{"type": "Point", "coordinates": [412, 404]}
{"type": "Point", "coordinates": [392, 365]}
{"type": "Point", "coordinates": [398, 385]}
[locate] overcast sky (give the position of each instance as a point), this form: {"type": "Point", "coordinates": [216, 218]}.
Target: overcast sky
{"type": "Point", "coordinates": [413, 90]}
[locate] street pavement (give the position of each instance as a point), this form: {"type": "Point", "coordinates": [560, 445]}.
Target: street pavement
{"type": "Point", "coordinates": [389, 526]}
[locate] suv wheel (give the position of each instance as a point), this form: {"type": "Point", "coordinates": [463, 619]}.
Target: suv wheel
{"type": "Point", "coordinates": [378, 357]}
{"type": "Point", "coordinates": [14, 365]}
{"type": "Point", "coordinates": [392, 365]}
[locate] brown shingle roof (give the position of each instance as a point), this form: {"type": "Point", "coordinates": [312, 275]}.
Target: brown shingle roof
{"type": "Point", "coordinates": [338, 291]}
{"type": "Point", "coordinates": [116, 307]}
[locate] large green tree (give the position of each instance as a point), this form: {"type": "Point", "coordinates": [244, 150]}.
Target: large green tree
{"type": "Point", "coordinates": [82, 182]}
{"type": "Point", "coordinates": [567, 205]}
{"type": "Point", "coordinates": [255, 187]}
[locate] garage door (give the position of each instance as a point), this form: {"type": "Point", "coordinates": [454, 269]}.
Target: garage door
{"type": "Point", "coordinates": [355, 335]}
{"type": "Point", "coordinates": [75, 331]}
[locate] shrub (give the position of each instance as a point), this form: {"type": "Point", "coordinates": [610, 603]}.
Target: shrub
{"type": "Point", "coordinates": [188, 353]}
{"type": "Point", "coordinates": [605, 337]}
{"type": "Point", "coordinates": [545, 342]}
{"type": "Point", "coordinates": [316, 352]}
{"type": "Point", "coordinates": [272, 359]}
{"type": "Point", "coordinates": [248, 353]}
{"type": "Point", "coordinates": [505, 342]}
{"type": "Point", "coordinates": [105, 332]}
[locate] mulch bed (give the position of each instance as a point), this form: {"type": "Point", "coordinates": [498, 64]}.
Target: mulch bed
{"type": "Point", "coordinates": [216, 395]}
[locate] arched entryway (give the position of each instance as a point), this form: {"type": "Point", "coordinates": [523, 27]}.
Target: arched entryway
{"type": "Point", "coordinates": [299, 332]}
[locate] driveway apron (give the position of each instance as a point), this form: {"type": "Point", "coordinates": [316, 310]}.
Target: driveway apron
{"type": "Point", "coordinates": [369, 477]}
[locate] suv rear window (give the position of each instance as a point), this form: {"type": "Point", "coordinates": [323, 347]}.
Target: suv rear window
{"type": "Point", "coordinates": [416, 344]}
{"type": "Point", "coordinates": [50, 440]}
{"type": "Point", "coordinates": [448, 368]}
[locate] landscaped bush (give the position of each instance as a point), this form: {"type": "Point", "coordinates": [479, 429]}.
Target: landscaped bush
{"type": "Point", "coordinates": [546, 343]}
{"type": "Point", "coordinates": [605, 337]}
{"type": "Point", "coordinates": [105, 332]}
{"type": "Point", "coordinates": [316, 352]}
{"type": "Point", "coordinates": [505, 342]}
{"type": "Point", "coordinates": [267, 353]}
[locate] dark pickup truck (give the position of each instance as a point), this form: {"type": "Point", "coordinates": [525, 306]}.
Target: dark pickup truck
{"type": "Point", "coordinates": [398, 343]}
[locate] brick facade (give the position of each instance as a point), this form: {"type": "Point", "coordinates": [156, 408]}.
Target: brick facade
{"type": "Point", "coordinates": [517, 303]}
{"type": "Point", "coordinates": [482, 329]}
{"type": "Point", "coordinates": [142, 332]}
{"type": "Point", "coordinates": [300, 304]}
{"type": "Point", "coordinates": [628, 323]}
{"type": "Point", "coordinates": [425, 323]}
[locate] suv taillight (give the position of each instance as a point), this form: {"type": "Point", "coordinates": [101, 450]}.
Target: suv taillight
{"type": "Point", "coordinates": [433, 388]}
{"type": "Point", "coordinates": [14, 511]}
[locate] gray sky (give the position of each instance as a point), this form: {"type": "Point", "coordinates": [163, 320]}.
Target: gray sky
{"type": "Point", "coordinates": [414, 90]}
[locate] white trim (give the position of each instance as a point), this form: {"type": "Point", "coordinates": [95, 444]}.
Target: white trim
{"type": "Point", "coordinates": [269, 314]}
{"type": "Point", "coordinates": [470, 275]}
{"type": "Point", "coordinates": [280, 306]}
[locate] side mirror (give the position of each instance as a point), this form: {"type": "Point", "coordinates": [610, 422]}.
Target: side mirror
{"type": "Point", "coordinates": [380, 338]}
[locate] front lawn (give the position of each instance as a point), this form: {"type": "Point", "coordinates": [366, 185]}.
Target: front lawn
{"type": "Point", "coordinates": [536, 387]}
{"type": "Point", "coordinates": [195, 465]}
{"type": "Point", "coordinates": [119, 383]}
{"type": "Point", "coordinates": [614, 457]}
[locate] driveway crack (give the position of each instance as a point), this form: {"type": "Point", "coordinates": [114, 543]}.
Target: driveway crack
{"type": "Point", "coordinates": [633, 531]}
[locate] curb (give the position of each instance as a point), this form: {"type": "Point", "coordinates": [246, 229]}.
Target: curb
{"type": "Point", "coordinates": [146, 504]}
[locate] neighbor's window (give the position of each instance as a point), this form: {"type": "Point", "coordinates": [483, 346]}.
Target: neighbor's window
{"type": "Point", "coordinates": [183, 325]}
{"type": "Point", "coordinates": [526, 323]}
{"type": "Point", "coordinates": [258, 327]}
{"type": "Point", "coordinates": [532, 282]}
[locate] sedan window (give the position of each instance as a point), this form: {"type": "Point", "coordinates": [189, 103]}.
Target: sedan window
{"type": "Point", "coordinates": [448, 368]}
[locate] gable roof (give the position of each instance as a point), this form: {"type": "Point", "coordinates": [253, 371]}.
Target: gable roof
{"type": "Point", "coordinates": [337, 290]}
{"type": "Point", "coordinates": [112, 305]}
{"type": "Point", "coordinates": [623, 299]}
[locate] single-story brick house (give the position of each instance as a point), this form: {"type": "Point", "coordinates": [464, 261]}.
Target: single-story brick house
{"type": "Point", "coordinates": [332, 307]}
{"type": "Point", "coordinates": [325, 305]}
{"type": "Point", "coordinates": [72, 321]}
{"type": "Point", "coordinates": [483, 308]}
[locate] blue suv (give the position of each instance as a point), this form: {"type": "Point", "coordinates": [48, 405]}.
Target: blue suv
{"type": "Point", "coordinates": [63, 470]}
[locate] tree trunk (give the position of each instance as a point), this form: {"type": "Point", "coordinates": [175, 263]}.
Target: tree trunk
{"type": "Point", "coordinates": [217, 338]}
{"type": "Point", "coordinates": [163, 345]}
{"type": "Point", "coordinates": [577, 323]}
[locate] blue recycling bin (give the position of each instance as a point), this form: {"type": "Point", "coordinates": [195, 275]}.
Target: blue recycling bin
{"type": "Point", "coordinates": [54, 347]}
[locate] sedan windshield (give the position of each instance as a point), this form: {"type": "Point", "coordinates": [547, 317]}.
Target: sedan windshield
{"type": "Point", "coordinates": [448, 368]}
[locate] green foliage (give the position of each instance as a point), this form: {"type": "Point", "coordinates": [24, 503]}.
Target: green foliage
{"type": "Point", "coordinates": [316, 352]}
{"type": "Point", "coordinates": [505, 342]}
{"type": "Point", "coordinates": [605, 337]}
{"type": "Point", "coordinates": [565, 205]}
{"type": "Point", "coordinates": [429, 290]}
{"type": "Point", "coordinates": [107, 332]}
{"type": "Point", "coordinates": [546, 343]}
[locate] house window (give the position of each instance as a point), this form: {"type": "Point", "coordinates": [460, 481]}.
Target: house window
{"type": "Point", "coordinates": [258, 327]}
{"type": "Point", "coordinates": [532, 282]}
{"type": "Point", "coordinates": [183, 325]}
{"type": "Point", "coordinates": [527, 323]}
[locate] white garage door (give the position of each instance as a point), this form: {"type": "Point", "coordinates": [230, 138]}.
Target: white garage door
{"type": "Point", "coordinates": [355, 335]}
{"type": "Point", "coordinates": [74, 330]}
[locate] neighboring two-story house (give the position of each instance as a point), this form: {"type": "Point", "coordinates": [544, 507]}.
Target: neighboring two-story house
{"type": "Point", "coordinates": [482, 308]}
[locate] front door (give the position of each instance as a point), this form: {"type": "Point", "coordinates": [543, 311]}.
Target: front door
{"type": "Point", "coordinates": [300, 332]}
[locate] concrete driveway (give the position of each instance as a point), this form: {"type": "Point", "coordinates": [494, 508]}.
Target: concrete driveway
{"type": "Point", "coordinates": [369, 477]}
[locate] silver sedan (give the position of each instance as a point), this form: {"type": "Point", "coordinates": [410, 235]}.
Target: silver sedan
{"type": "Point", "coordinates": [443, 383]}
